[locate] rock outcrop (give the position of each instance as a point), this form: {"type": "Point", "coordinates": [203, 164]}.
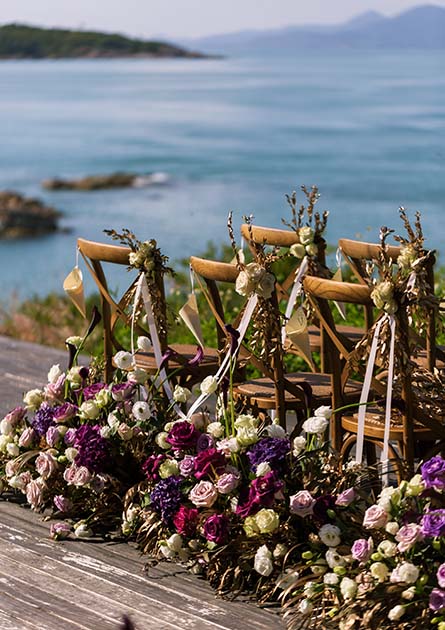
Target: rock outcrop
{"type": "Point", "coordinates": [21, 216]}
{"type": "Point", "coordinates": [99, 182]}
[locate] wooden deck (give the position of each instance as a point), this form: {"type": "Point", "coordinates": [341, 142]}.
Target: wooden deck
{"type": "Point", "coordinates": [74, 584]}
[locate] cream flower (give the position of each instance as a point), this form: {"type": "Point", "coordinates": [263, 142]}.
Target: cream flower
{"type": "Point", "coordinates": [123, 360]}
{"type": "Point", "coordinates": [263, 562]}
{"type": "Point", "coordinates": [267, 521]}
{"type": "Point", "coordinates": [209, 385]}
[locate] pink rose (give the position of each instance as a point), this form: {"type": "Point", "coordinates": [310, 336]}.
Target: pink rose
{"type": "Point", "coordinates": [34, 493]}
{"type": "Point", "coordinates": [345, 498]}
{"type": "Point", "coordinates": [14, 416]}
{"type": "Point", "coordinates": [54, 391]}
{"type": "Point", "coordinates": [302, 503]}
{"type": "Point", "coordinates": [361, 550]}
{"type": "Point", "coordinates": [12, 467]}
{"type": "Point", "coordinates": [46, 465]}
{"type": "Point", "coordinates": [27, 437]}
{"type": "Point", "coordinates": [82, 476]}
{"type": "Point", "coordinates": [407, 536]}
{"type": "Point", "coordinates": [441, 576]}
{"type": "Point", "coordinates": [227, 482]}
{"type": "Point", "coordinates": [52, 436]}
{"type": "Point", "coordinates": [70, 473]}
{"type": "Point", "coordinates": [63, 504]}
{"type": "Point", "coordinates": [58, 531]}
{"type": "Point", "coordinates": [204, 494]}
{"type": "Point", "coordinates": [375, 517]}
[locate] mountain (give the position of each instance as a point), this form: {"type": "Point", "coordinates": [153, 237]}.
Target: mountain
{"type": "Point", "coordinates": [19, 41]}
{"type": "Point", "coordinates": [422, 27]}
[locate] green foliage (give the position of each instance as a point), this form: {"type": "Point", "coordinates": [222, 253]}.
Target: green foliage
{"type": "Point", "coordinates": [20, 41]}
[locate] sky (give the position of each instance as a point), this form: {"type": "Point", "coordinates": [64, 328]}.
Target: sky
{"type": "Point", "coordinates": [191, 18]}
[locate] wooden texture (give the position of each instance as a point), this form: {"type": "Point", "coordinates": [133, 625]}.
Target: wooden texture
{"type": "Point", "coordinates": [79, 585]}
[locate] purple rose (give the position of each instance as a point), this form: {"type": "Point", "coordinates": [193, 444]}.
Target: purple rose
{"type": "Point", "coordinates": [227, 482]}
{"type": "Point", "coordinates": [70, 437]}
{"type": "Point", "coordinates": [433, 524]}
{"type": "Point", "coordinates": [52, 436]}
{"type": "Point", "coordinates": [205, 441]}
{"type": "Point", "coordinates": [302, 503]}
{"type": "Point", "coordinates": [151, 466]}
{"type": "Point", "coordinates": [441, 576]}
{"type": "Point", "coordinates": [433, 473]}
{"type": "Point", "coordinates": [407, 536]}
{"type": "Point", "coordinates": [64, 412]}
{"type": "Point", "coordinates": [209, 463]}
{"type": "Point", "coordinates": [187, 465]}
{"type": "Point", "coordinates": [183, 435]}
{"type": "Point", "coordinates": [263, 492]}
{"type": "Point", "coordinates": [216, 528]}
{"type": "Point", "coordinates": [361, 550]}
{"type": "Point", "coordinates": [91, 391]}
{"type": "Point", "coordinates": [58, 531]}
{"type": "Point", "coordinates": [122, 391]}
{"type": "Point", "coordinates": [437, 599]}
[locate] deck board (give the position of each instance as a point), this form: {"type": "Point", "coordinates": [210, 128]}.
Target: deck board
{"type": "Point", "coordinates": [77, 585]}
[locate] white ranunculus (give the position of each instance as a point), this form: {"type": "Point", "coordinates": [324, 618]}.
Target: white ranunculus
{"type": "Point", "coordinates": [123, 360]}
{"type": "Point", "coordinates": [324, 411]}
{"type": "Point", "coordinates": [276, 431]}
{"type": "Point", "coordinates": [263, 562]}
{"type": "Point", "coordinates": [33, 399]}
{"type": "Point", "coordinates": [396, 613]}
{"type": "Point", "coordinates": [306, 235]}
{"type": "Point", "coordinates": [348, 588]}
{"type": "Point", "coordinates": [334, 559]}
{"type": "Point", "coordinates": [215, 429]}
{"type": "Point", "coordinates": [262, 469]}
{"type": "Point", "coordinates": [181, 394]}
{"type": "Point", "coordinates": [379, 571]}
{"type": "Point", "coordinates": [316, 424]}
{"type": "Point", "coordinates": [330, 535]}
{"type": "Point", "coordinates": [141, 410]}
{"type": "Point", "coordinates": [144, 344]}
{"type": "Point", "coordinates": [89, 410]}
{"type": "Point", "coordinates": [387, 549]}
{"type": "Point", "coordinates": [298, 445]}
{"type": "Point", "coordinates": [138, 376]}
{"type": "Point", "coordinates": [54, 373]}
{"type": "Point", "coordinates": [209, 385]}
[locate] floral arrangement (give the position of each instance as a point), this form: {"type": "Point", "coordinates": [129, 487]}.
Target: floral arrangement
{"type": "Point", "coordinates": [390, 576]}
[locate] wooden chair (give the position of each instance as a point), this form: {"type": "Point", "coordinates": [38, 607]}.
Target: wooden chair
{"type": "Point", "coordinates": [113, 311]}
{"type": "Point", "coordinates": [358, 254]}
{"type": "Point", "coordinates": [257, 235]}
{"type": "Point", "coordinates": [275, 390]}
{"type": "Point", "coordinates": [410, 426]}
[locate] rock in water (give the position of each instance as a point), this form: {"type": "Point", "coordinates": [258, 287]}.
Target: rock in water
{"type": "Point", "coordinates": [99, 182]}
{"type": "Point", "coordinates": [21, 216]}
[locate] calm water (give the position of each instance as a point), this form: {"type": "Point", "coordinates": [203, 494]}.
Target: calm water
{"type": "Point", "coordinates": [367, 128]}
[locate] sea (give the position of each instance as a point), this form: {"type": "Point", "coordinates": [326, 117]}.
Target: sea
{"type": "Point", "coordinates": [232, 134]}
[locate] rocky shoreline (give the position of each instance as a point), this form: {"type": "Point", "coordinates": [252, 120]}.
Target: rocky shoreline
{"type": "Point", "coordinates": [119, 179]}
{"type": "Point", "coordinates": [21, 216]}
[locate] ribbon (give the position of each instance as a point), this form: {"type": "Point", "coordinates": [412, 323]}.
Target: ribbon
{"type": "Point", "coordinates": [365, 393]}
{"type": "Point", "coordinates": [296, 290]}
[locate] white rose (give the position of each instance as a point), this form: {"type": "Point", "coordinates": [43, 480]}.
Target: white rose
{"type": "Point", "coordinates": [306, 235]}
{"type": "Point", "coordinates": [123, 360]}
{"type": "Point", "coordinates": [392, 527]}
{"type": "Point", "coordinates": [316, 424]}
{"type": "Point", "coordinates": [266, 285]}
{"type": "Point", "coordinates": [137, 375]}
{"type": "Point", "coordinates": [89, 410]}
{"type": "Point", "coordinates": [396, 613]}
{"type": "Point", "coordinates": [33, 399]}
{"type": "Point", "coordinates": [405, 572]}
{"type": "Point", "coordinates": [262, 469]}
{"type": "Point", "coordinates": [215, 429]}
{"type": "Point", "coordinates": [263, 562]}
{"type": "Point", "coordinates": [144, 344]}
{"type": "Point", "coordinates": [166, 551]}
{"type": "Point", "coordinates": [276, 431]}
{"type": "Point", "coordinates": [379, 571]}
{"type": "Point", "coordinates": [246, 436]}
{"type": "Point", "coordinates": [323, 412]}
{"type": "Point", "coordinates": [297, 250]}
{"type": "Point", "coordinates": [181, 394]}
{"type": "Point", "coordinates": [299, 444]}
{"type": "Point", "coordinates": [330, 535]}
{"type": "Point", "coordinates": [348, 588]}
{"type": "Point", "coordinates": [209, 385]}
{"type": "Point", "coordinates": [387, 549]}
{"type": "Point", "coordinates": [54, 373]}
{"type": "Point", "coordinates": [141, 410]}
{"type": "Point", "coordinates": [247, 421]}
{"type": "Point", "coordinates": [228, 446]}
{"type": "Point", "coordinates": [12, 449]}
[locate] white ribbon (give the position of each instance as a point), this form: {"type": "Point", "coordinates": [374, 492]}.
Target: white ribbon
{"type": "Point", "coordinates": [223, 368]}
{"type": "Point", "coordinates": [296, 290]}
{"type": "Point", "coordinates": [365, 393]}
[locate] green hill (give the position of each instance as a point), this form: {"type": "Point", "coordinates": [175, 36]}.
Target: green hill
{"type": "Point", "coordinates": [18, 41]}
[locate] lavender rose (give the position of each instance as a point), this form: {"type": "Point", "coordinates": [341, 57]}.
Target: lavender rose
{"type": "Point", "coordinates": [433, 524]}
{"type": "Point", "coordinates": [46, 465]}
{"type": "Point", "coordinates": [441, 576]}
{"type": "Point", "coordinates": [302, 503]}
{"type": "Point", "coordinates": [63, 504]}
{"type": "Point", "coordinates": [227, 482]}
{"type": "Point", "coordinates": [437, 599]}
{"type": "Point", "coordinates": [346, 497]}
{"type": "Point", "coordinates": [59, 531]}
{"type": "Point", "coordinates": [375, 517]}
{"type": "Point", "coordinates": [361, 550]}
{"type": "Point", "coordinates": [407, 536]}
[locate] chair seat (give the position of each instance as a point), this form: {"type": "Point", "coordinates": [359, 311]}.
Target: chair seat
{"type": "Point", "coordinates": [422, 359]}
{"type": "Point", "coordinates": [375, 425]}
{"type": "Point", "coordinates": [261, 391]}
{"type": "Point", "coordinates": [209, 364]}
{"type": "Point", "coordinates": [351, 332]}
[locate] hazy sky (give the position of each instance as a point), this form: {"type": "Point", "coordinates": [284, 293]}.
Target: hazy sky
{"type": "Point", "coordinates": [190, 18]}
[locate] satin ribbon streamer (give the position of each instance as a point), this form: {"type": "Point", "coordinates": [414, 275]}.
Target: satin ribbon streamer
{"type": "Point", "coordinates": [296, 290]}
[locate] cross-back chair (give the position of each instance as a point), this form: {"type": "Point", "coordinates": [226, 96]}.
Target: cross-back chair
{"type": "Point", "coordinates": [97, 257]}
{"type": "Point", "coordinates": [358, 254]}
{"type": "Point", "coordinates": [412, 429]}
{"type": "Point", "coordinates": [274, 390]}
{"type": "Point", "coordinates": [258, 235]}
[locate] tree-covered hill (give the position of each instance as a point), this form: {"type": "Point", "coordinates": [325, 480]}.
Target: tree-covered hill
{"type": "Point", "coordinates": [18, 41]}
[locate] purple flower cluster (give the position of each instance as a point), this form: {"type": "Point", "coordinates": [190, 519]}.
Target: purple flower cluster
{"type": "Point", "coordinates": [270, 450]}
{"type": "Point", "coordinates": [433, 473]}
{"type": "Point", "coordinates": [166, 497]}
{"type": "Point", "coordinates": [94, 451]}
{"type": "Point", "coordinates": [43, 419]}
